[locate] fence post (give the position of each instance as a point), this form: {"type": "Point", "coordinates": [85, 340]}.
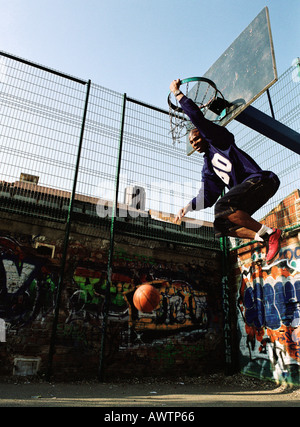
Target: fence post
{"type": "Point", "coordinates": [111, 248]}
{"type": "Point", "coordinates": [66, 241]}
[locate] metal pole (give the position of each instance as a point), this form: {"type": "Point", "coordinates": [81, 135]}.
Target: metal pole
{"type": "Point", "coordinates": [111, 250]}
{"type": "Point", "coordinates": [271, 128]}
{"type": "Point", "coordinates": [66, 241]}
{"type": "Point", "coordinates": [271, 104]}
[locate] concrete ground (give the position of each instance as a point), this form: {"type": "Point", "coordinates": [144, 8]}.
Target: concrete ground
{"type": "Point", "coordinates": [212, 391]}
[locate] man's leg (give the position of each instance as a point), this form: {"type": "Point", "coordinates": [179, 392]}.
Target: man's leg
{"type": "Point", "coordinates": [251, 229]}
{"type": "Point", "coordinates": [233, 213]}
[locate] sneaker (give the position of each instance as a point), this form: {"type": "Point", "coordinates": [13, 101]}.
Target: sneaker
{"type": "Point", "coordinates": [273, 244]}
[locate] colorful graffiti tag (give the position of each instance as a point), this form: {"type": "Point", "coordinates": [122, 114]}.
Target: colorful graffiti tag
{"type": "Point", "coordinates": [269, 315]}
{"type": "Point", "coordinates": [27, 283]}
{"type": "Point", "coordinates": [181, 308]}
{"type": "Point", "coordinates": [28, 288]}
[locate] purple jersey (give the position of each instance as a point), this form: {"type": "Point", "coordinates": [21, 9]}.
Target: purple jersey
{"type": "Point", "coordinates": [225, 165]}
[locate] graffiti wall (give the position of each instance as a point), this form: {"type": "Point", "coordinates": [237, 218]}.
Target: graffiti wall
{"type": "Point", "coordinates": [27, 283]}
{"type": "Point", "coordinates": [268, 302]}
{"type": "Point", "coordinates": [183, 333]}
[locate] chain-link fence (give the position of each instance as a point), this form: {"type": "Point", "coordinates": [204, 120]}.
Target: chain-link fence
{"type": "Point", "coordinates": [42, 113]}
{"type": "Point", "coordinates": [72, 150]}
{"type": "Point", "coordinates": [283, 210]}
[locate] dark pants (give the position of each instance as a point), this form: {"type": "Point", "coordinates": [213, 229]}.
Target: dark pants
{"type": "Point", "coordinates": [248, 197]}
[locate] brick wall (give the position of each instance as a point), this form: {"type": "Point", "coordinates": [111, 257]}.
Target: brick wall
{"type": "Point", "coordinates": [267, 300]}
{"type": "Point", "coordinates": [183, 336]}
{"type": "Point", "coordinates": [286, 213]}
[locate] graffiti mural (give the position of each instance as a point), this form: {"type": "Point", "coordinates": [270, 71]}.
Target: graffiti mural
{"type": "Point", "coordinates": [27, 283]}
{"type": "Point", "coordinates": [187, 322]}
{"type": "Point", "coordinates": [182, 308]}
{"type": "Point", "coordinates": [269, 315]}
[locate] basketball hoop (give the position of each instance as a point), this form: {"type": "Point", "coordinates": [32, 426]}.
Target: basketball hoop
{"type": "Point", "coordinates": [204, 93]}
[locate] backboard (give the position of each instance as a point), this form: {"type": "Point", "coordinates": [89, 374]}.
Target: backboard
{"type": "Point", "coordinates": [245, 70]}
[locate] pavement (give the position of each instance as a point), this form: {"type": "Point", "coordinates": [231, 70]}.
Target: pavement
{"type": "Point", "coordinates": [162, 394]}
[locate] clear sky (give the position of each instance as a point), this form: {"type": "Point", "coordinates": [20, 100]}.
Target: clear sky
{"type": "Point", "coordinates": [139, 46]}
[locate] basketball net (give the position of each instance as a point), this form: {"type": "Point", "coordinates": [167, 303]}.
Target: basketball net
{"type": "Point", "coordinates": [203, 92]}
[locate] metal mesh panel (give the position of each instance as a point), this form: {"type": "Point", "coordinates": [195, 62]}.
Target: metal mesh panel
{"type": "Point", "coordinates": [155, 179]}
{"type": "Point", "coordinates": [158, 179]}
{"type": "Point", "coordinates": [99, 156]}
{"type": "Point", "coordinates": [100, 149]}
{"type": "Point", "coordinates": [283, 210]}
{"type": "Point", "coordinates": [41, 118]}
{"type": "Point", "coordinates": [41, 123]}
{"type": "Point", "coordinates": [41, 115]}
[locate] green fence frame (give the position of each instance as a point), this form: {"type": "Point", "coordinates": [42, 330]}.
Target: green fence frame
{"type": "Point", "coordinates": [141, 226]}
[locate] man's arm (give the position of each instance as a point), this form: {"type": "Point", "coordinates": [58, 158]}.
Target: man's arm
{"type": "Point", "coordinates": [183, 212]}
{"type": "Point", "coordinates": [175, 89]}
{"type": "Point", "coordinates": [217, 135]}
{"type": "Point", "coordinates": [210, 190]}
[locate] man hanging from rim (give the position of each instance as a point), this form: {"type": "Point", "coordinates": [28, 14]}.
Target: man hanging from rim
{"type": "Point", "coordinates": [225, 165]}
